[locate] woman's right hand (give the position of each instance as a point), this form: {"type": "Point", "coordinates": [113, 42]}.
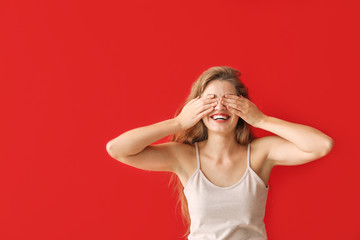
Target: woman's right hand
{"type": "Point", "coordinates": [195, 110]}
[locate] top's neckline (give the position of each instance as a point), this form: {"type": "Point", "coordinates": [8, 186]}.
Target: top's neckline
{"type": "Point", "coordinates": [227, 187]}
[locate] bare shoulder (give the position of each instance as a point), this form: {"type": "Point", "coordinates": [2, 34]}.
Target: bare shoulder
{"type": "Point", "coordinates": [259, 153]}
{"type": "Point", "coordinates": [261, 147]}
{"type": "Point", "coordinates": [185, 154]}
{"type": "Point", "coordinates": [186, 161]}
{"type": "Point", "coordinates": [181, 155]}
{"type": "Point", "coordinates": [182, 151]}
{"type": "Point", "coordinates": [258, 145]}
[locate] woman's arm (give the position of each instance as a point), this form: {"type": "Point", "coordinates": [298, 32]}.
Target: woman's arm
{"type": "Point", "coordinates": [133, 147]}
{"type": "Point", "coordinates": [135, 140]}
{"type": "Point", "coordinates": [294, 144]}
{"type": "Point", "coordinates": [307, 138]}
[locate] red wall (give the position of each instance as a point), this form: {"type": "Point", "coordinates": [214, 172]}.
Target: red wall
{"type": "Point", "coordinates": [75, 74]}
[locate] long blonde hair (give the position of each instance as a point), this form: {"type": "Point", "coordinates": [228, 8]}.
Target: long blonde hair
{"type": "Point", "coordinates": [197, 133]}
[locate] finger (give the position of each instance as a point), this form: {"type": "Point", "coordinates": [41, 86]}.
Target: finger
{"type": "Point", "coordinates": [207, 96]}
{"type": "Point", "coordinates": [205, 112]}
{"type": "Point", "coordinates": [211, 100]}
{"type": "Point", "coordinates": [204, 97]}
{"type": "Point", "coordinates": [234, 106]}
{"type": "Point", "coordinates": [210, 96]}
{"type": "Point", "coordinates": [227, 100]}
{"type": "Point", "coordinates": [233, 99]}
{"type": "Point", "coordinates": [205, 101]}
{"type": "Point", "coordinates": [203, 107]}
{"type": "Point", "coordinates": [235, 111]}
{"type": "Point", "coordinates": [193, 100]}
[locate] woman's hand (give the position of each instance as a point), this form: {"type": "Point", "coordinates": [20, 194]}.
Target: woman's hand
{"type": "Point", "coordinates": [243, 108]}
{"type": "Point", "coordinates": [195, 110]}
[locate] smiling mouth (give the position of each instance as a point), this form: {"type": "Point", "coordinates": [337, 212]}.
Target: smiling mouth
{"type": "Point", "coordinates": [220, 118]}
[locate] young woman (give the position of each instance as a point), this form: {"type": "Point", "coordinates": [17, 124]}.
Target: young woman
{"type": "Point", "coordinates": [223, 170]}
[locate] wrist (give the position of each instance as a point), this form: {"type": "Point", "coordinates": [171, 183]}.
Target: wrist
{"type": "Point", "coordinates": [262, 121]}
{"type": "Point", "coordinates": [177, 124]}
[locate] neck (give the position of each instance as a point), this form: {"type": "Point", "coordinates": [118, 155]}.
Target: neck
{"type": "Point", "coordinates": [220, 146]}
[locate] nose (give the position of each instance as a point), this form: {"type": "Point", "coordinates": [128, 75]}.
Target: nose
{"type": "Point", "coordinates": [219, 105]}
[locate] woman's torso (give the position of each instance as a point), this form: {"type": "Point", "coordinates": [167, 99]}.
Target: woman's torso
{"type": "Point", "coordinates": [224, 173]}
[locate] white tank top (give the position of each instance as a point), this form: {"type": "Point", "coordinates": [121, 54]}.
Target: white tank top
{"type": "Point", "coordinates": [235, 212]}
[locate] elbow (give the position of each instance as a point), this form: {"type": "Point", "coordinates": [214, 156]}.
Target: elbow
{"type": "Point", "coordinates": [328, 146]}
{"type": "Point", "coordinates": [109, 150]}
{"type": "Point", "coordinates": [112, 150]}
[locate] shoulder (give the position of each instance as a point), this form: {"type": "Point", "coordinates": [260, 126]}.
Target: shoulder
{"type": "Point", "coordinates": [260, 148]}
{"type": "Point", "coordinates": [184, 153]}
{"type": "Point", "coordinates": [259, 157]}
{"type": "Point", "coordinates": [181, 148]}
{"type": "Point", "coordinates": [264, 143]}
{"type": "Point", "coordinates": [186, 160]}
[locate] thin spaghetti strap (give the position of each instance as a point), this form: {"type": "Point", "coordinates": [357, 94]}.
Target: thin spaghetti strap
{"type": "Point", "coordinates": [248, 156]}
{"type": "Point", "coordinates": [197, 156]}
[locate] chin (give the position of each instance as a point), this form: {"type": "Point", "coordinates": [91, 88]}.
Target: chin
{"type": "Point", "coordinates": [220, 127]}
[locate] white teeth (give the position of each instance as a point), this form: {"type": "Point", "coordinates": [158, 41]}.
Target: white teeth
{"type": "Point", "coordinates": [216, 117]}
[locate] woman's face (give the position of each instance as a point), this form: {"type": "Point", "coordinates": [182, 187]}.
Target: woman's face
{"type": "Point", "coordinates": [220, 88]}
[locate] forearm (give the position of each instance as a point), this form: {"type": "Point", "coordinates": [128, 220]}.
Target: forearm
{"type": "Point", "coordinates": [304, 137]}
{"type": "Point", "coordinates": [135, 140]}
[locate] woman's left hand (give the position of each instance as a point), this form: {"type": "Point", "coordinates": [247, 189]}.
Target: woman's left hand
{"type": "Point", "coordinates": [243, 108]}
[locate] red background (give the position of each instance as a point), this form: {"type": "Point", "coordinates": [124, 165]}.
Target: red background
{"type": "Point", "coordinates": [76, 74]}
